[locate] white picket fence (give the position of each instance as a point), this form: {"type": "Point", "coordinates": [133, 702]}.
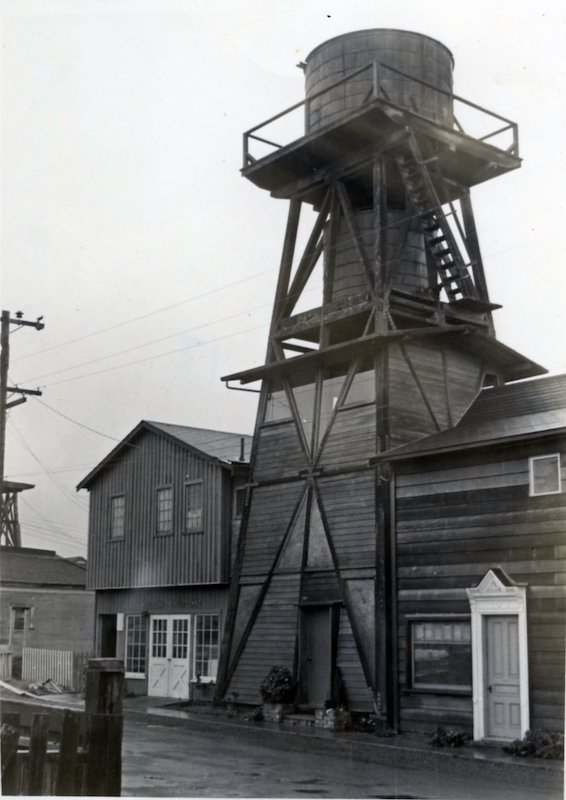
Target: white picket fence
{"type": "Point", "coordinates": [5, 664]}
{"type": "Point", "coordinates": [64, 667]}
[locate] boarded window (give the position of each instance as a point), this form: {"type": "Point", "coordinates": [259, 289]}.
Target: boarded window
{"type": "Point", "coordinates": [206, 644]}
{"type": "Point", "coordinates": [136, 643]}
{"type": "Point", "coordinates": [544, 474]}
{"type": "Point", "coordinates": [193, 506]}
{"type": "Point", "coordinates": [117, 516]}
{"type": "Point", "coordinates": [165, 510]}
{"type": "Point", "coordinates": [441, 655]}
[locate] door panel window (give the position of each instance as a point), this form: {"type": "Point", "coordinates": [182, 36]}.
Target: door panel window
{"type": "Point", "coordinates": [159, 638]}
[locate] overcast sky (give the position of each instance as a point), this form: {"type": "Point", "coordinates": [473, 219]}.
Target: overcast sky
{"type": "Point", "coordinates": [126, 224]}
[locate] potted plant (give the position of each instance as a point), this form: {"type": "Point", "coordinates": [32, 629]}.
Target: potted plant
{"type": "Point", "coordinates": [277, 692]}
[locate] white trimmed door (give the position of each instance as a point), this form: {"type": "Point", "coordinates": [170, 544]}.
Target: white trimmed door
{"type": "Point", "coordinates": [503, 679]}
{"type": "Point", "coordinates": [169, 656]}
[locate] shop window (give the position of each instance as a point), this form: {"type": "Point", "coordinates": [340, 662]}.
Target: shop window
{"type": "Point", "coordinates": [441, 654]}
{"type": "Point", "coordinates": [206, 646]}
{"type": "Point", "coordinates": [193, 506]}
{"type": "Point", "coordinates": [117, 516]}
{"type": "Point", "coordinates": [544, 475]}
{"type": "Point", "coordinates": [136, 644]}
{"type": "Point", "coordinates": [165, 510]}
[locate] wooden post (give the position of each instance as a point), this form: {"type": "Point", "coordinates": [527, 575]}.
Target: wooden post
{"type": "Point", "coordinates": [37, 753]}
{"type": "Point", "coordinates": [9, 749]}
{"type": "Point", "coordinates": [103, 707]}
{"type": "Point", "coordinates": [67, 762]}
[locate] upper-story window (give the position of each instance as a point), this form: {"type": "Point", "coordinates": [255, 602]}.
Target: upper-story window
{"type": "Point", "coordinates": [544, 475]}
{"type": "Point", "coordinates": [239, 501]}
{"type": "Point", "coordinates": [117, 516]}
{"type": "Point", "coordinates": [193, 506]}
{"type": "Point", "coordinates": [165, 510]}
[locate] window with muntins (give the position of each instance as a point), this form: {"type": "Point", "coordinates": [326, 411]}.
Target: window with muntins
{"type": "Point", "coordinates": [544, 475]}
{"type": "Point", "coordinates": [117, 516]}
{"type": "Point", "coordinates": [193, 506]}
{"type": "Point", "coordinates": [441, 655]}
{"type": "Point", "coordinates": [206, 646]}
{"type": "Point", "coordinates": [136, 644]}
{"type": "Point", "coordinates": [165, 510]}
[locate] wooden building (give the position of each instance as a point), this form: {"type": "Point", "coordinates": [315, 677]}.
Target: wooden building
{"type": "Point", "coordinates": [44, 605]}
{"type": "Point", "coordinates": [479, 566]}
{"type": "Point", "coordinates": [165, 507]}
{"type": "Point", "coordinates": [396, 349]}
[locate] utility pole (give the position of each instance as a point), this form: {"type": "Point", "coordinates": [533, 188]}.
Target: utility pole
{"type": "Point", "coordinates": [9, 525]}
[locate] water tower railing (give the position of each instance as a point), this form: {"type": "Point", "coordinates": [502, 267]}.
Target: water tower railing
{"type": "Point", "coordinates": [377, 92]}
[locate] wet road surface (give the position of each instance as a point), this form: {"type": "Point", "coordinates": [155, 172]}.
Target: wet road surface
{"type": "Point", "coordinates": [169, 758]}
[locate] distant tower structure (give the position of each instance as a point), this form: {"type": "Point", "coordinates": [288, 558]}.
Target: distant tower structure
{"type": "Point", "coordinates": [397, 347]}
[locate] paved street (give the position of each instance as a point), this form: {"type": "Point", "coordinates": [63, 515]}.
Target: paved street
{"type": "Point", "coordinates": [166, 757]}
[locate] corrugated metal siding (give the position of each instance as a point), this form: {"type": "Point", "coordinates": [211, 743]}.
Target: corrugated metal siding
{"type": "Point", "coordinates": [143, 558]}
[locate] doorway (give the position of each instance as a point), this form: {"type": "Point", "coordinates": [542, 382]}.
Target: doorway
{"type": "Point", "coordinates": [318, 654]}
{"type": "Point", "coordinates": [169, 664]}
{"type": "Point", "coordinates": [503, 679]}
{"type": "Point", "coordinates": [500, 662]}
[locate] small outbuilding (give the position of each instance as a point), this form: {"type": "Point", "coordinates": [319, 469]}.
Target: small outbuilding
{"type": "Point", "coordinates": [46, 613]}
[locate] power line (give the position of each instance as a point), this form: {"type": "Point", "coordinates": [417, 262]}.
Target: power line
{"type": "Point", "coordinates": [155, 357]}
{"type": "Point", "coordinates": [153, 341]}
{"type": "Point", "coordinates": [149, 314]}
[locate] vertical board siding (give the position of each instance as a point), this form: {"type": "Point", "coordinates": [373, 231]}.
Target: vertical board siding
{"type": "Point", "coordinates": [458, 516]}
{"type": "Point", "coordinates": [143, 557]}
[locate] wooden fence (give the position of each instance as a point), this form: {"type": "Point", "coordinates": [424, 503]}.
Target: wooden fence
{"type": "Point", "coordinates": [67, 752]}
{"type": "Point", "coordinates": [64, 667]}
{"type": "Point", "coordinates": [5, 664]}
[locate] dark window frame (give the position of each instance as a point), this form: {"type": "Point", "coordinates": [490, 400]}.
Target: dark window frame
{"type": "Point", "coordinates": [239, 505]}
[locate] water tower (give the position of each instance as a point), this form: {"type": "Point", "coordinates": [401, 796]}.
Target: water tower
{"type": "Point", "coordinates": [396, 347]}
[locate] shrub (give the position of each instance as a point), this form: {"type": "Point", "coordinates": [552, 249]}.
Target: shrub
{"type": "Point", "coordinates": [447, 738]}
{"type": "Point", "coordinates": [538, 743]}
{"type": "Point", "coordinates": [278, 686]}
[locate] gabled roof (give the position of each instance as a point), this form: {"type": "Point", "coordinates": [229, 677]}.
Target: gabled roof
{"type": "Point", "coordinates": [30, 567]}
{"type": "Point", "coordinates": [222, 446]}
{"type": "Point", "coordinates": [515, 411]}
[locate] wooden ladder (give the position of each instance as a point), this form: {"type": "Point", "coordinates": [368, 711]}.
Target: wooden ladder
{"type": "Point", "coordinates": [452, 270]}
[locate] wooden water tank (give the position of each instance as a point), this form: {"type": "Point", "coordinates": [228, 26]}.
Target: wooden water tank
{"type": "Point", "coordinates": [412, 53]}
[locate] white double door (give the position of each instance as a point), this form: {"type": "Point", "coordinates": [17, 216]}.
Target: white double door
{"type": "Point", "coordinates": [169, 656]}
